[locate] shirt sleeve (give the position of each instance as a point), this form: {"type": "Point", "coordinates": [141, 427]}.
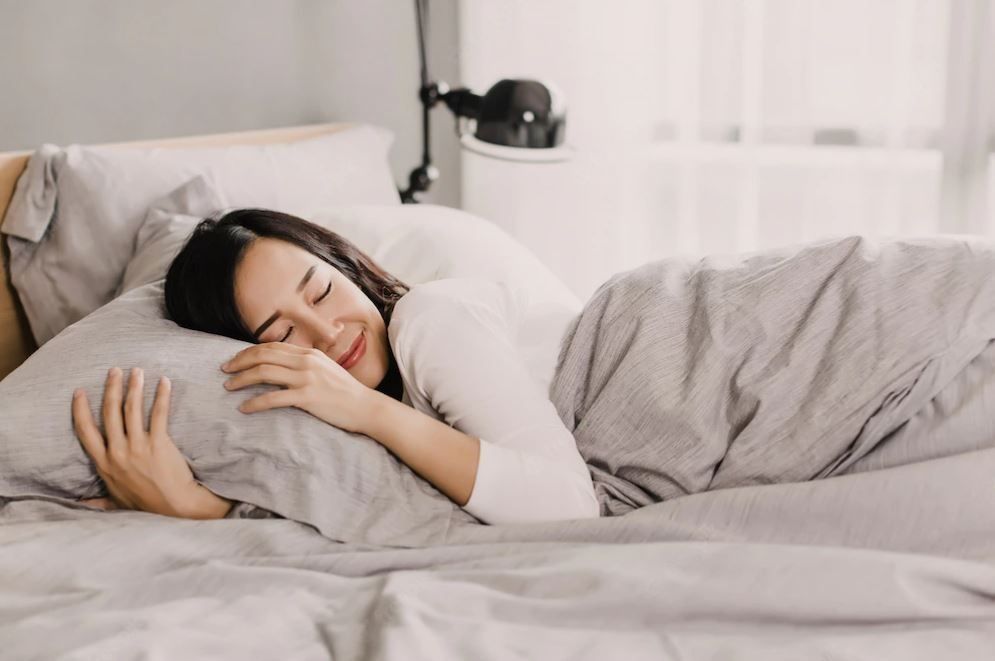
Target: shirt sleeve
{"type": "Point", "coordinates": [454, 350]}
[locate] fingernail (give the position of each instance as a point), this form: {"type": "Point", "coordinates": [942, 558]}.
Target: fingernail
{"type": "Point", "coordinates": [115, 371]}
{"type": "Point", "coordinates": [227, 384]}
{"type": "Point", "coordinates": [224, 367]}
{"type": "Point", "coordinates": [77, 393]}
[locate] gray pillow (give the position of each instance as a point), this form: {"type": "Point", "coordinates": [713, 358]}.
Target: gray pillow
{"type": "Point", "coordinates": [345, 485]}
{"type": "Point", "coordinates": [168, 223]}
{"type": "Point", "coordinates": [74, 216]}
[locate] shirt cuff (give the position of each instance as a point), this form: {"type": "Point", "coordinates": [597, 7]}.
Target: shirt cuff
{"type": "Point", "coordinates": [516, 487]}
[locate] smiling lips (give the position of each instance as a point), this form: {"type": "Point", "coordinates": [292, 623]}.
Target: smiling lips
{"type": "Point", "coordinates": [352, 352]}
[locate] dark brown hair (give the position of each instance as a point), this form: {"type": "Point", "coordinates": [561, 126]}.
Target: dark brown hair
{"type": "Point", "coordinates": [200, 283]}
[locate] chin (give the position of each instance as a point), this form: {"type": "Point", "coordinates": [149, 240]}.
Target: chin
{"type": "Point", "coordinates": [365, 372]}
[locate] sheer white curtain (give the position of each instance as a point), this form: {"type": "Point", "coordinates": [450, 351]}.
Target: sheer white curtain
{"type": "Point", "coordinates": [708, 126]}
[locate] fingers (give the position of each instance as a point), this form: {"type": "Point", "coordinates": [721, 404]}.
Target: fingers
{"type": "Point", "coordinates": [134, 422]}
{"type": "Point", "coordinates": [160, 408]}
{"type": "Point", "coordinates": [267, 373]}
{"type": "Point", "coordinates": [276, 353]}
{"type": "Point", "coordinates": [113, 423]}
{"type": "Point", "coordinates": [86, 429]}
{"type": "Point", "coordinates": [270, 400]}
{"type": "Point", "coordinates": [125, 434]}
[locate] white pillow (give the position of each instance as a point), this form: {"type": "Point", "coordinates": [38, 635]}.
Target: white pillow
{"type": "Point", "coordinates": [415, 242]}
{"type": "Point", "coordinates": [423, 242]}
{"type": "Point", "coordinates": [76, 212]}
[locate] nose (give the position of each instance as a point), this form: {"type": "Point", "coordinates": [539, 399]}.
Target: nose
{"type": "Point", "coordinates": [323, 333]}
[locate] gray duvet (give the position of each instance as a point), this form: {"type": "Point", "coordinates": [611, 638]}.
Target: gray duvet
{"type": "Point", "coordinates": [786, 365]}
{"type": "Point", "coordinates": [797, 447]}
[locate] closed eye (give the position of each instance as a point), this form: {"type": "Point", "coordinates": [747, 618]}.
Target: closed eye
{"type": "Point", "coordinates": [326, 292]}
{"type": "Point", "coordinates": [316, 301]}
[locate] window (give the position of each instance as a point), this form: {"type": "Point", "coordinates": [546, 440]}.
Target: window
{"type": "Point", "coordinates": [732, 125]}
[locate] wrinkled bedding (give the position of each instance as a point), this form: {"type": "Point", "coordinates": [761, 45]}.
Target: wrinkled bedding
{"type": "Point", "coordinates": [792, 364]}
{"type": "Point", "coordinates": [686, 583]}
{"type": "Point", "coordinates": [804, 467]}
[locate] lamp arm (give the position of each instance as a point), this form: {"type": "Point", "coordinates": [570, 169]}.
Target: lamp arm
{"type": "Point", "coordinates": [422, 176]}
{"type": "Point", "coordinates": [462, 102]}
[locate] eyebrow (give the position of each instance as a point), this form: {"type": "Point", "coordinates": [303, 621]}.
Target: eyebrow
{"type": "Point", "coordinates": [276, 315]}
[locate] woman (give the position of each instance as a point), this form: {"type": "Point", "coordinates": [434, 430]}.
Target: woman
{"type": "Point", "coordinates": [319, 313]}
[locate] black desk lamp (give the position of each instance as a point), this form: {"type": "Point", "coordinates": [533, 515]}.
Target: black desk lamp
{"type": "Point", "coordinates": [519, 120]}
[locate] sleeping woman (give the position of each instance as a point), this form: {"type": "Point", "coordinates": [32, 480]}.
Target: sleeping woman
{"type": "Point", "coordinates": [430, 372]}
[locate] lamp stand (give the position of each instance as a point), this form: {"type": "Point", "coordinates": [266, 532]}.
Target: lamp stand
{"type": "Point", "coordinates": [461, 101]}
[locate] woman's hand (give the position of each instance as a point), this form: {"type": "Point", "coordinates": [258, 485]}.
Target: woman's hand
{"type": "Point", "coordinates": [313, 382]}
{"type": "Point", "coordinates": [143, 470]}
{"type": "Point", "coordinates": [102, 503]}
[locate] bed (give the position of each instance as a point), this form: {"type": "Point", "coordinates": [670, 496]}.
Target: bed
{"type": "Point", "coordinates": [783, 571]}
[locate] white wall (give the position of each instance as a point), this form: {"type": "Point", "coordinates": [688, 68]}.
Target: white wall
{"type": "Point", "coordinates": [93, 71]}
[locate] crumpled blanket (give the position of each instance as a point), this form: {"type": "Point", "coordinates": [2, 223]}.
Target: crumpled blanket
{"type": "Point", "coordinates": [687, 375]}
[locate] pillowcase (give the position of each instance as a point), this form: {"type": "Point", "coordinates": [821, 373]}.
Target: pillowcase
{"type": "Point", "coordinates": [345, 485]}
{"type": "Point", "coordinates": [423, 242]}
{"type": "Point", "coordinates": [75, 214]}
{"type": "Point", "coordinates": [166, 227]}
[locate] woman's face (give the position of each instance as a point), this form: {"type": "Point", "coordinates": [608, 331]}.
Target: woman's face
{"type": "Point", "coordinates": [281, 288]}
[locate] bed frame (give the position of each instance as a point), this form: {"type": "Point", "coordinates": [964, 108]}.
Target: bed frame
{"type": "Point", "coordinates": [16, 342]}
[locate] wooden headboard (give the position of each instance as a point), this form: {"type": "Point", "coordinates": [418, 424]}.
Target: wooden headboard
{"type": "Point", "coordinates": [16, 342]}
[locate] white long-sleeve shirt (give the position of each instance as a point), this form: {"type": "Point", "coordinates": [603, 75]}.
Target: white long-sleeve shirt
{"type": "Point", "coordinates": [460, 345]}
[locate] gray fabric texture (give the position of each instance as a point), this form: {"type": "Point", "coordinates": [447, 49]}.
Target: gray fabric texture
{"type": "Point", "coordinates": [81, 584]}
{"type": "Point", "coordinates": [889, 553]}
{"type": "Point", "coordinates": [76, 211]}
{"type": "Point", "coordinates": [684, 376]}
{"type": "Point", "coordinates": [284, 460]}
{"type": "Point", "coordinates": [168, 223]}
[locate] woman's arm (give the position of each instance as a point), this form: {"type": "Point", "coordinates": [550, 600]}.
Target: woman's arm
{"type": "Point", "coordinates": [441, 454]}
{"type": "Point", "coordinates": [503, 485]}
{"type": "Point", "coordinates": [205, 504]}
{"type": "Point", "coordinates": [444, 456]}
{"type": "Point", "coordinates": [452, 340]}
{"type": "Point", "coordinates": [201, 504]}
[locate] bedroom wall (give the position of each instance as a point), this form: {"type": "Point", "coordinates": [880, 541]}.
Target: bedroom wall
{"type": "Point", "coordinates": [93, 71]}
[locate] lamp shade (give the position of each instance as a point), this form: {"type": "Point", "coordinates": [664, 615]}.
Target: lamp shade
{"type": "Point", "coordinates": [521, 113]}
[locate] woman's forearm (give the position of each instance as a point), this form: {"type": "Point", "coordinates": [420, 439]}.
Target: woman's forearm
{"type": "Point", "coordinates": [441, 454]}
{"type": "Point", "coordinates": [205, 504]}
